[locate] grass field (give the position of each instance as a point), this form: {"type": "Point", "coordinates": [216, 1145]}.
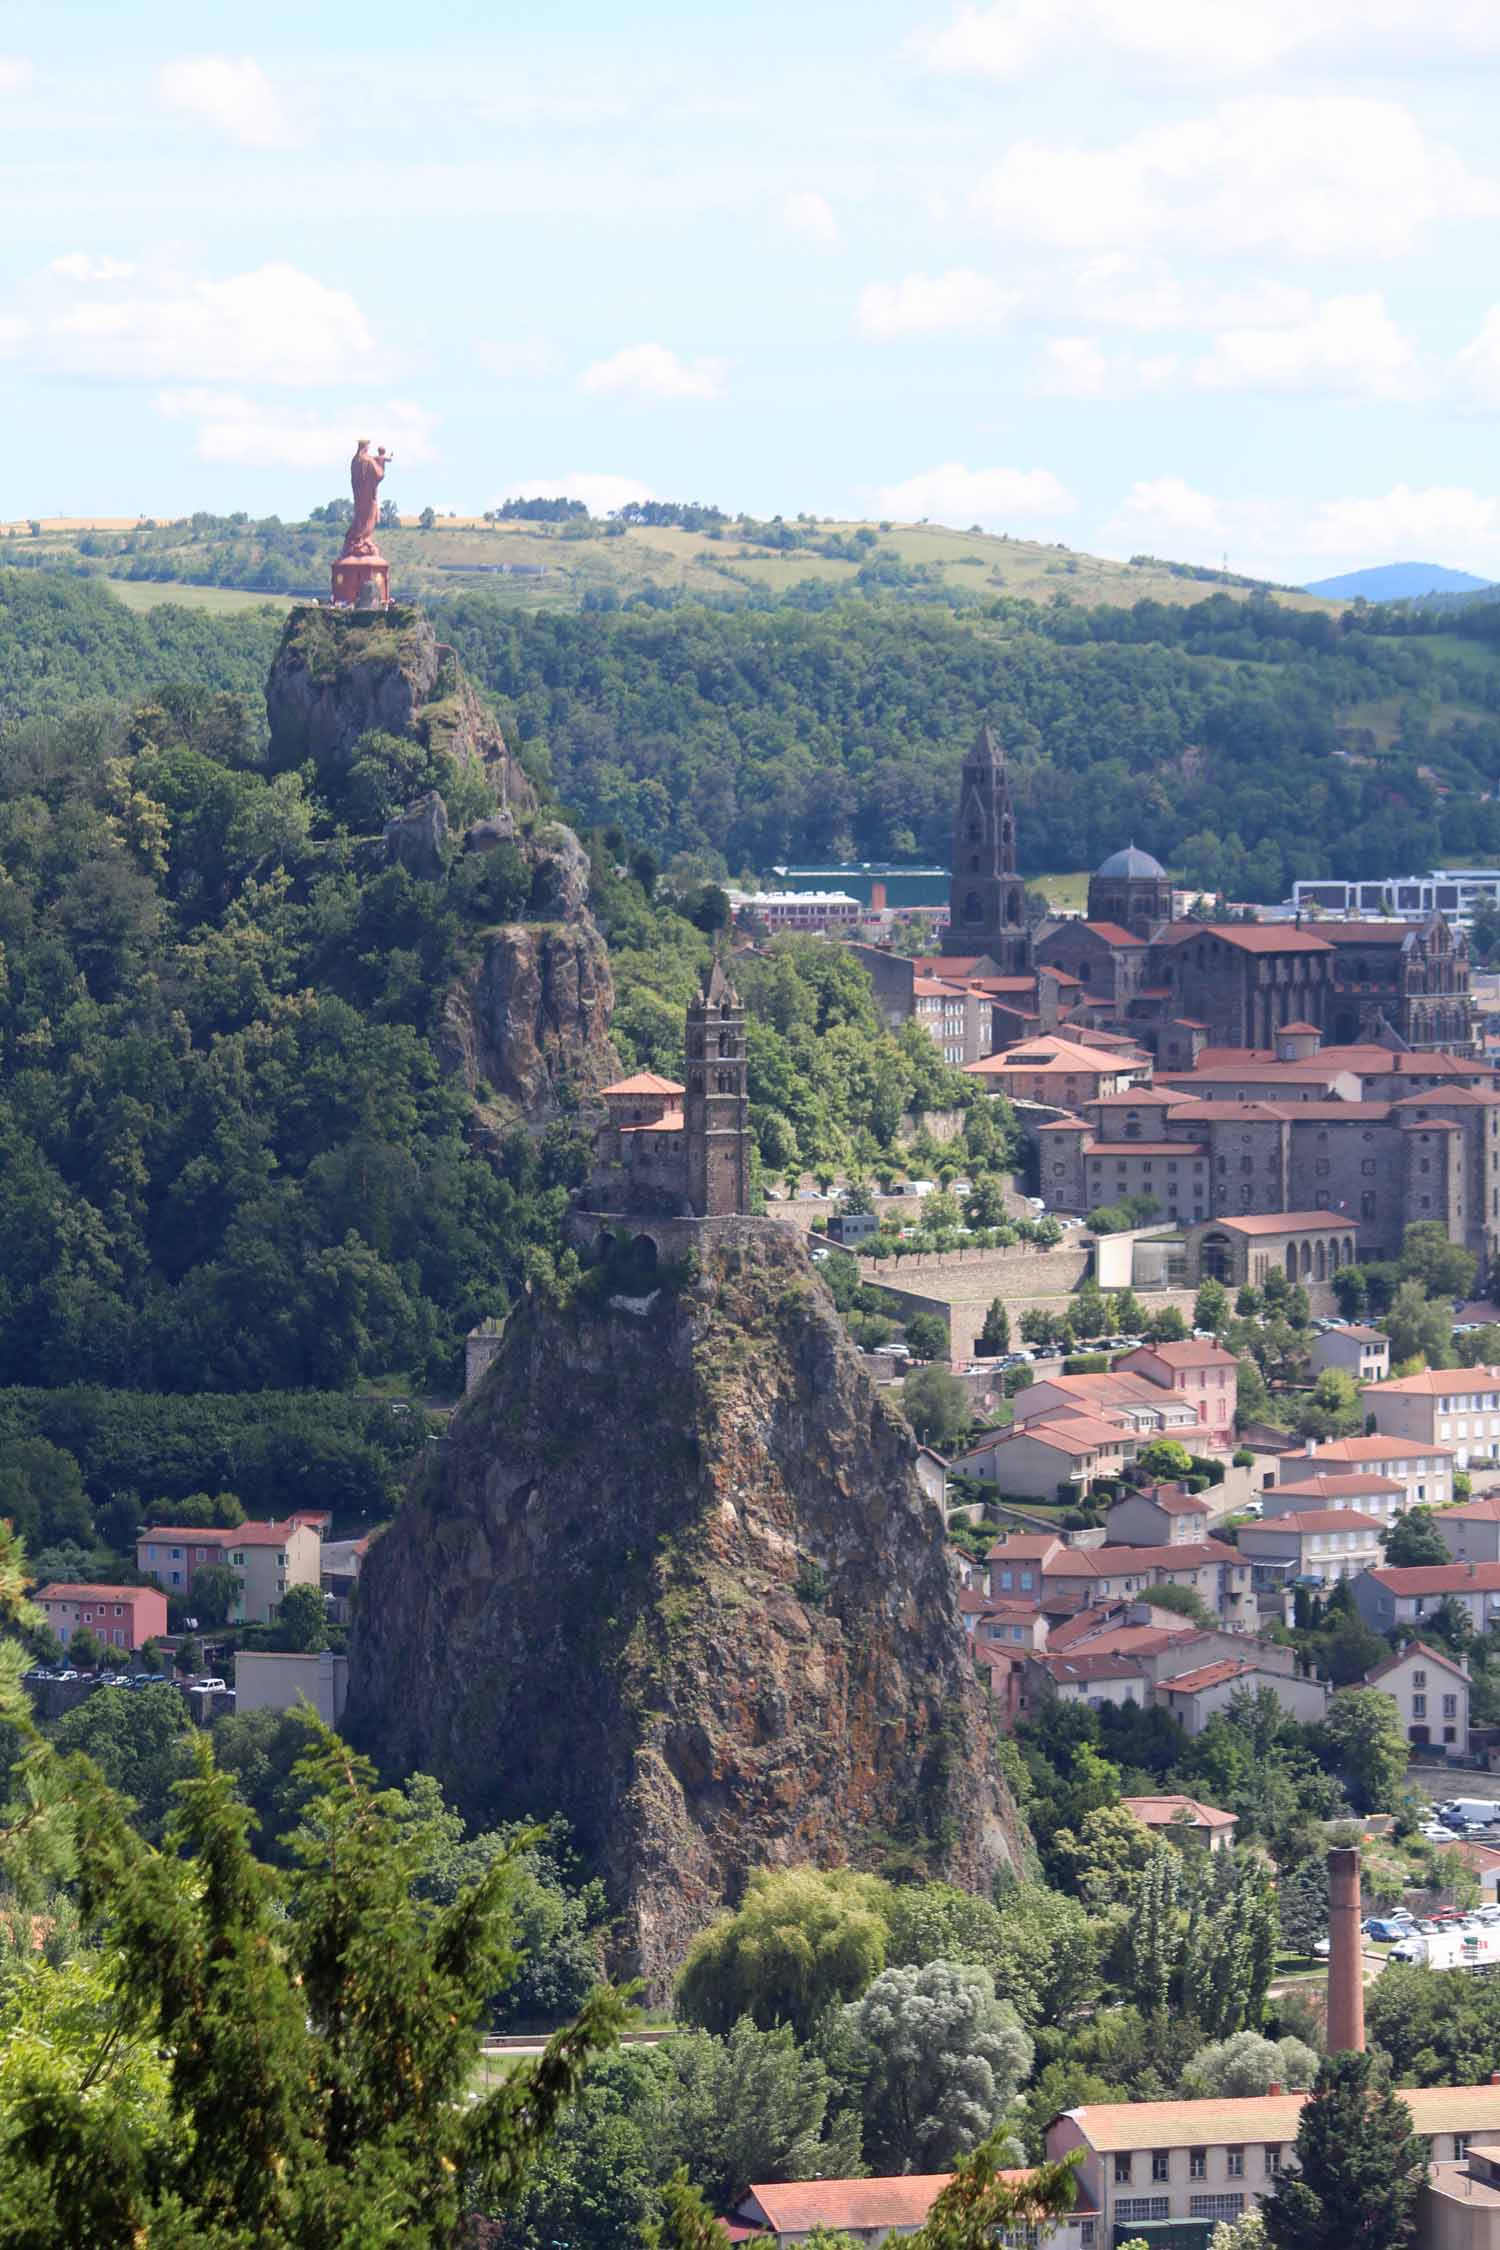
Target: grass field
{"type": "Point", "coordinates": [138, 595]}
{"type": "Point", "coordinates": [460, 553]}
{"type": "Point", "coordinates": [1066, 894]}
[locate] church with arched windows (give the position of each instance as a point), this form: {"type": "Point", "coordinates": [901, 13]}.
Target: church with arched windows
{"type": "Point", "coordinates": [987, 898]}
{"type": "Point", "coordinates": [682, 1151]}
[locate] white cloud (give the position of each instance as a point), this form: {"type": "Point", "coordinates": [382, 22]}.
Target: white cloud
{"type": "Point", "coordinates": [79, 266]}
{"type": "Point", "coordinates": [275, 325]}
{"type": "Point", "coordinates": [923, 303]}
{"type": "Point", "coordinates": [246, 433]}
{"type": "Point", "coordinates": [1171, 504]}
{"type": "Point", "coordinates": [1345, 345]}
{"type": "Point", "coordinates": [1438, 520]}
{"type": "Point", "coordinates": [652, 371]}
{"type": "Point", "coordinates": [13, 334]}
{"type": "Point", "coordinates": [15, 74]}
{"type": "Point", "coordinates": [236, 96]}
{"type": "Point", "coordinates": [600, 492]}
{"type": "Point", "coordinates": [1079, 367]}
{"type": "Point", "coordinates": [522, 356]}
{"type": "Point", "coordinates": [1220, 38]}
{"type": "Point", "coordinates": [1113, 290]}
{"type": "Point", "coordinates": [1315, 177]}
{"type": "Point", "coordinates": [954, 494]}
{"type": "Point", "coordinates": [811, 217]}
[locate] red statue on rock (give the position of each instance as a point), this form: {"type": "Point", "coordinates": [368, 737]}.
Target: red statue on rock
{"type": "Point", "coordinates": [362, 576]}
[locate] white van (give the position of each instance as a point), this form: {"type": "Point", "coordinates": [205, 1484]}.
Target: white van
{"type": "Point", "coordinates": [1476, 1812]}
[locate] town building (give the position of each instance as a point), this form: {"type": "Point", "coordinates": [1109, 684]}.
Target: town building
{"type": "Point", "coordinates": [1364, 1353]}
{"type": "Point", "coordinates": [1425, 1473]}
{"type": "Point", "coordinates": [1184, 1820]}
{"type": "Point", "coordinates": [987, 899]}
{"type": "Point", "coordinates": [266, 1558]}
{"type": "Point", "coordinates": [1162, 1515]}
{"type": "Point", "coordinates": [1365, 1492]}
{"type": "Point", "coordinates": [1457, 1407]}
{"type": "Point", "coordinates": [121, 1617]}
{"type": "Point", "coordinates": [1431, 1693]}
{"type": "Point", "coordinates": [1316, 1546]}
{"type": "Point", "coordinates": [1194, 1697]}
{"type": "Point", "coordinates": [1159, 2164]}
{"type": "Point", "coordinates": [797, 910]}
{"type": "Point", "coordinates": [1470, 1529]}
{"type": "Point", "coordinates": [1031, 1460]}
{"type": "Point", "coordinates": [792, 2212]}
{"type": "Point", "coordinates": [1387, 1597]}
{"type": "Point", "coordinates": [1199, 1372]}
{"type": "Point", "coordinates": [1066, 1073]}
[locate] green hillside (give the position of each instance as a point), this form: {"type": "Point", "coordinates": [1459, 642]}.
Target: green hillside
{"type": "Point", "coordinates": [578, 562]}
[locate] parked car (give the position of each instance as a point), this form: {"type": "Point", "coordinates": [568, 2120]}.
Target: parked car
{"type": "Point", "coordinates": [1436, 1833]}
{"type": "Point", "coordinates": [67, 1673]}
{"type": "Point", "coordinates": [1387, 1930]}
{"type": "Point", "coordinates": [212, 1686]}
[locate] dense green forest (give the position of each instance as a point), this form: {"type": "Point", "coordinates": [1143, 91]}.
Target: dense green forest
{"type": "Point", "coordinates": [1247, 744]}
{"type": "Point", "coordinates": [65, 640]}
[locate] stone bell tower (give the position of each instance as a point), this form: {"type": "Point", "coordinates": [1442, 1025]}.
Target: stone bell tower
{"type": "Point", "coordinates": [987, 898]}
{"type": "Point", "coordinates": [715, 1107]}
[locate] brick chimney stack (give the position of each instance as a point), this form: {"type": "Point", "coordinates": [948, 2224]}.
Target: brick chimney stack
{"type": "Point", "coordinates": [1346, 1980]}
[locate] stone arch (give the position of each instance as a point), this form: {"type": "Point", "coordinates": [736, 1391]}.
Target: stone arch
{"type": "Point", "coordinates": [1216, 1258]}
{"type": "Point", "coordinates": [973, 907]}
{"type": "Point", "coordinates": [1306, 1259]}
{"type": "Point", "coordinates": [644, 1250]}
{"type": "Point", "coordinates": [1291, 1261]}
{"type": "Point", "coordinates": [1320, 1262]}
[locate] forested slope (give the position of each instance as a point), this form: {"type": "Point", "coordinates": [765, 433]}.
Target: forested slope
{"type": "Point", "coordinates": [65, 640]}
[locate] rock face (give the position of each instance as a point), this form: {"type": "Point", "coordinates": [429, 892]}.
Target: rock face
{"type": "Point", "coordinates": [340, 674]}
{"type": "Point", "coordinates": [673, 1575]}
{"type": "Point", "coordinates": [531, 1018]}
{"type": "Point", "coordinates": [417, 838]}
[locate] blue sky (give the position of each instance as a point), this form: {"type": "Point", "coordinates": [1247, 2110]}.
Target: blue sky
{"type": "Point", "coordinates": [1203, 277]}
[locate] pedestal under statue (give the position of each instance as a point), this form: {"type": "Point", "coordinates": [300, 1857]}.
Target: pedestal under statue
{"type": "Point", "coordinates": [361, 575]}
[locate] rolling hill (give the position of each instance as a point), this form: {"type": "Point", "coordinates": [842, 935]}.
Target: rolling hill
{"type": "Point", "coordinates": [1397, 582]}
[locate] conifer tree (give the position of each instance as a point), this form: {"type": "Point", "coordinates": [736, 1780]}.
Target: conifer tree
{"type": "Point", "coordinates": [1359, 2166]}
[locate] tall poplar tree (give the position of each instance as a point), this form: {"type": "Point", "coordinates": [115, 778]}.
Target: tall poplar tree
{"type": "Point", "coordinates": [1359, 2166]}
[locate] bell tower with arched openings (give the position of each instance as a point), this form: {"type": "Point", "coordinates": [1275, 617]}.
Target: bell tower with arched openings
{"type": "Point", "coordinates": [987, 898]}
{"type": "Point", "coordinates": [715, 1105]}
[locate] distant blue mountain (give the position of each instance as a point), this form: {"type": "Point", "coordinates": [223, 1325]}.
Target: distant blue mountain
{"type": "Point", "coordinates": [1397, 582]}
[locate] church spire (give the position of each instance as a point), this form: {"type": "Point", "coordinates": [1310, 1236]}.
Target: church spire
{"type": "Point", "coordinates": [987, 899]}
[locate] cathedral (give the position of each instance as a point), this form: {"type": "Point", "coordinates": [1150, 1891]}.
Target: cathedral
{"type": "Point", "coordinates": [682, 1151]}
{"type": "Point", "coordinates": [1176, 986]}
{"type": "Point", "coordinates": [987, 898]}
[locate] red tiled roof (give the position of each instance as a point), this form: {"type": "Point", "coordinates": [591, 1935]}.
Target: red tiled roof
{"type": "Point", "coordinates": [1184, 1554]}
{"type": "Point", "coordinates": [1441, 1578]}
{"type": "Point", "coordinates": [1113, 934]}
{"type": "Point", "coordinates": [1439, 1382]}
{"type": "Point", "coordinates": [1336, 1488]}
{"type": "Point", "coordinates": [1286, 1222]}
{"type": "Point", "coordinates": [1104, 1150]}
{"type": "Point", "coordinates": [1301, 1520]}
{"type": "Point", "coordinates": [1423, 1649]}
{"type": "Point", "coordinates": [645, 1082]}
{"type": "Point", "coordinates": [63, 1591]}
{"type": "Point", "coordinates": [1193, 1351]}
{"type": "Point", "coordinates": [1207, 1675]}
{"type": "Point", "coordinates": [1250, 937]}
{"type": "Point", "coordinates": [1347, 1449]}
{"type": "Point", "coordinates": [797, 2206]}
{"type": "Point", "coordinates": [1160, 1812]}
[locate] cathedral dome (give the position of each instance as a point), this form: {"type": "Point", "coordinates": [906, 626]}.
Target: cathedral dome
{"type": "Point", "coordinates": [1134, 864]}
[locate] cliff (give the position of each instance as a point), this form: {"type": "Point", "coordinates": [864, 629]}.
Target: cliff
{"type": "Point", "coordinates": [530, 1019]}
{"type": "Point", "coordinates": [672, 1574]}
{"type": "Point", "coordinates": [340, 674]}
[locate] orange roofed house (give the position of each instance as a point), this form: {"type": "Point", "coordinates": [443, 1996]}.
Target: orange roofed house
{"type": "Point", "coordinates": [265, 1557]}
{"type": "Point", "coordinates": [791, 2211]}
{"type": "Point", "coordinates": [123, 1617]}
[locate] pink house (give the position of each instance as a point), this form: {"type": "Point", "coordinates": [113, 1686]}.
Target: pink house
{"type": "Point", "coordinates": [123, 1617]}
{"type": "Point", "coordinates": [1200, 1372]}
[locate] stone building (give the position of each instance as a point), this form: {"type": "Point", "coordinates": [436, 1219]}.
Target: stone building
{"type": "Point", "coordinates": [671, 1151]}
{"type": "Point", "coordinates": [1132, 890]}
{"type": "Point", "coordinates": [1412, 977]}
{"type": "Point", "coordinates": [987, 909]}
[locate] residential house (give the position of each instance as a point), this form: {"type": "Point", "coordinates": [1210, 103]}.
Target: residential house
{"type": "Point", "coordinates": [1087, 1678]}
{"type": "Point", "coordinates": [1363, 1492]}
{"type": "Point", "coordinates": [1426, 1471]}
{"type": "Point", "coordinates": [1010, 1624]}
{"type": "Point", "coordinates": [1431, 1692]}
{"type": "Point", "coordinates": [1200, 1372]}
{"type": "Point", "coordinates": [123, 1617]}
{"type": "Point", "coordinates": [340, 1564]}
{"type": "Point", "coordinates": [1029, 1461]}
{"type": "Point", "coordinates": [1060, 1072]}
{"type": "Point", "coordinates": [1138, 1403]}
{"type": "Point", "coordinates": [265, 1557]}
{"type": "Point", "coordinates": [1442, 1406]}
{"type": "Point", "coordinates": [1322, 1545]}
{"type": "Point", "coordinates": [1163, 1515]}
{"type": "Point", "coordinates": [1154, 2163]}
{"type": "Point", "coordinates": [1217, 1573]}
{"type": "Point", "coordinates": [1386, 1598]}
{"type": "Point", "coordinates": [1185, 1820]}
{"type": "Point", "coordinates": [1015, 1563]}
{"type": "Point", "coordinates": [1195, 1697]}
{"type": "Point", "coordinates": [790, 2212]}
{"type": "Point", "coordinates": [1361, 1352]}
{"type": "Point", "coordinates": [1471, 1529]}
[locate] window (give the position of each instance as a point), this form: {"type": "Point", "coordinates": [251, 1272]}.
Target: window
{"type": "Point", "coordinates": [1419, 1678]}
{"type": "Point", "coordinates": [1122, 2171]}
{"type": "Point", "coordinates": [1216, 2206]}
{"type": "Point", "coordinates": [1197, 2163]}
{"type": "Point", "coordinates": [1161, 2164]}
{"type": "Point", "coordinates": [1419, 1706]}
{"type": "Point", "coordinates": [1450, 1702]}
{"type": "Point", "coordinates": [1273, 2160]}
{"type": "Point", "coordinates": [1460, 2147]}
{"type": "Point", "coordinates": [1235, 2163]}
{"type": "Point", "coordinates": [1321, 1168]}
{"type": "Point", "coordinates": [1132, 2208]}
